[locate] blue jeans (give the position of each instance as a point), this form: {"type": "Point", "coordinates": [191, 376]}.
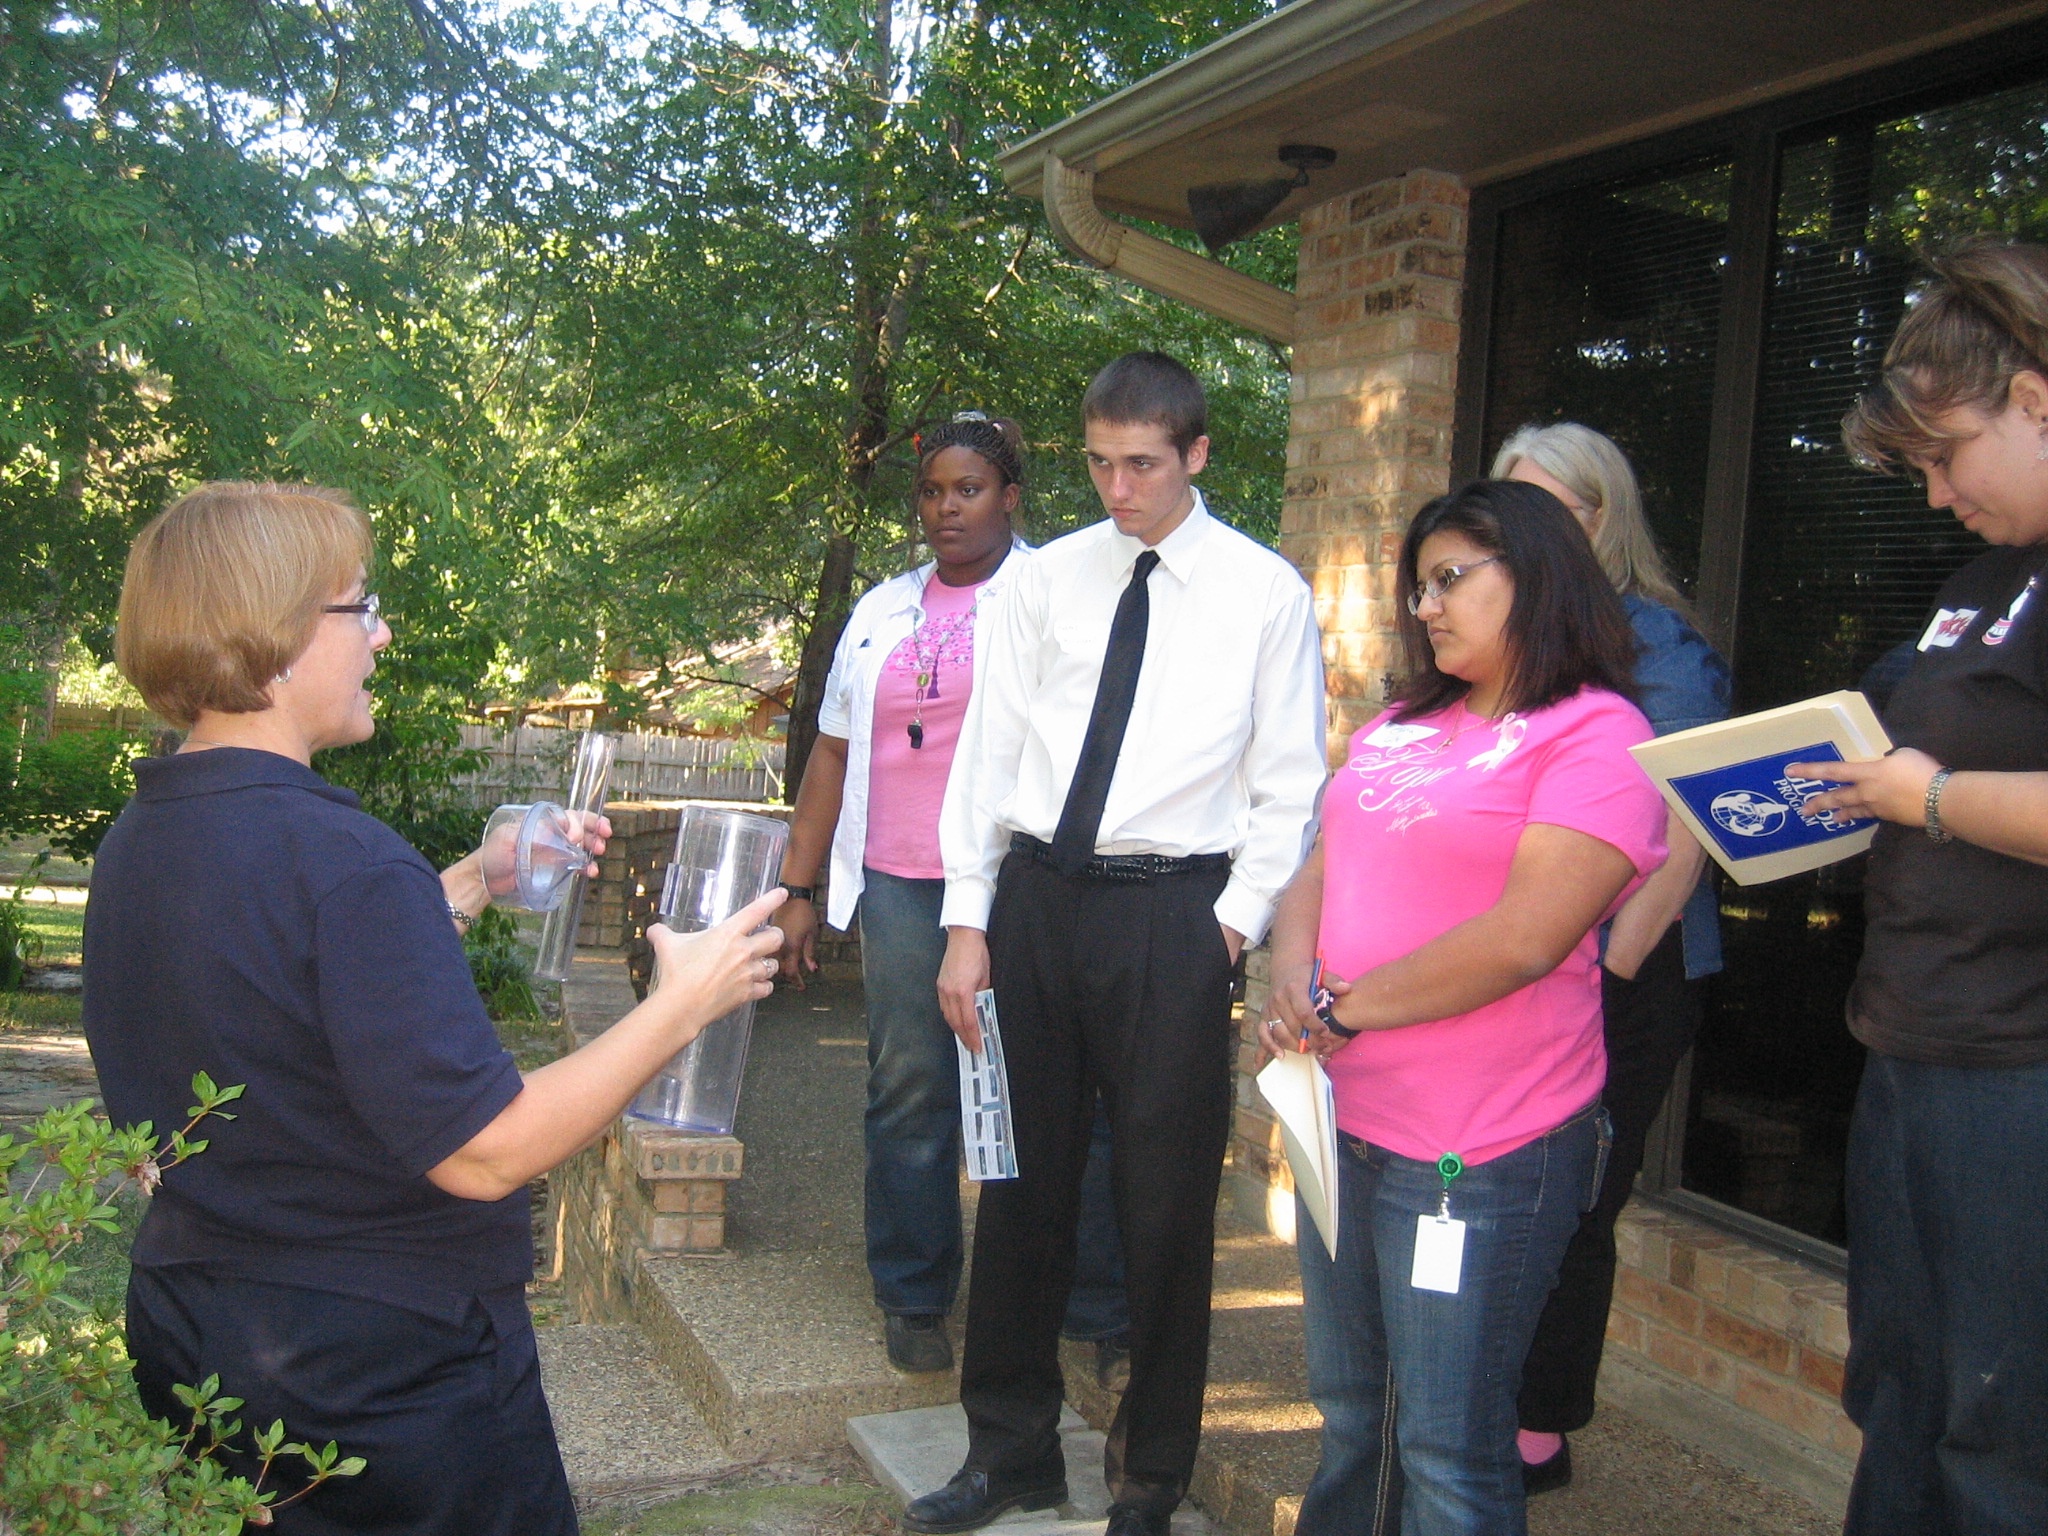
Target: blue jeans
{"type": "Point", "coordinates": [1948, 1300]}
{"type": "Point", "coordinates": [913, 1127]}
{"type": "Point", "coordinates": [1431, 1376]}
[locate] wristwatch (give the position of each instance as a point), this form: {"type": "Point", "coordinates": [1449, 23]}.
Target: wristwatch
{"type": "Point", "coordinates": [1326, 1010]}
{"type": "Point", "coordinates": [801, 893]}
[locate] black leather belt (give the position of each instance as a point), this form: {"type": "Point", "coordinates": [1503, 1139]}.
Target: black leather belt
{"type": "Point", "coordinates": [1131, 868]}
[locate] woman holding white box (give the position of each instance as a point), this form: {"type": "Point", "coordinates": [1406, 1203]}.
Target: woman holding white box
{"type": "Point", "coordinates": [1948, 1152]}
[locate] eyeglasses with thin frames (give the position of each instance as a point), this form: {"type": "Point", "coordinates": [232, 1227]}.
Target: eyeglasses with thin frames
{"type": "Point", "coordinates": [1445, 578]}
{"type": "Point", "coordinates": [369, 611]}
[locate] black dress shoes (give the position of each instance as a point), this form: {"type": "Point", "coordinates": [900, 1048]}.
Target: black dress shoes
{"type": "Point", "coordinates": [918, 1342]}
{"type": "Point", "coordinates": [1544, 1476]}
{"type": "Point", "coordinates": [1124, 1520]}
{"type": "Point", "coordinates": [971, 1501]}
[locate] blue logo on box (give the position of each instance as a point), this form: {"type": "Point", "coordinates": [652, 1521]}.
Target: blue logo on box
{"type": "Point", "coordinates": [1752, 808]}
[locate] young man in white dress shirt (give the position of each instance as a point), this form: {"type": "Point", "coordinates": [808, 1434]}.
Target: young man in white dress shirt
{"type": "Point", "coordinates": [1136, 783]}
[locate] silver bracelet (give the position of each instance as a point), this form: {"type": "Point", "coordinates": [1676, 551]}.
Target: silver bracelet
{"type": "Point", "coordinates": [1935, 830]}
{"type": "Point", "coordinates": [460, 916]}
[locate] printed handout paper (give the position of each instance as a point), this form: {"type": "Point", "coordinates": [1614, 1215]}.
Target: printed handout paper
{"type": "Point", "coordinates": [1299, 1090]}
{"type": "Point", "coordinates": [985, 1128]}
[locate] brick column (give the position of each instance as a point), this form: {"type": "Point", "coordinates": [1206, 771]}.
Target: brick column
{"type": "Point", "coordinates": [1375, 367]}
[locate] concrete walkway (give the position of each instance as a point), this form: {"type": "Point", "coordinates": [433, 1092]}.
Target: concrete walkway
{"type": "Point", "coordinates": [796, 1276]}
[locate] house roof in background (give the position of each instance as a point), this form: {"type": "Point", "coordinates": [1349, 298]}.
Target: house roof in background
{"type": "Point", "coordinates": [1484, 89]}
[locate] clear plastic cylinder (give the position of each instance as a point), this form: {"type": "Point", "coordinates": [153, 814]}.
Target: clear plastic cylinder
{"type": "Point", "coordinates": [724, 859]}
{"type": "Point", "coordinates": [584, 798]}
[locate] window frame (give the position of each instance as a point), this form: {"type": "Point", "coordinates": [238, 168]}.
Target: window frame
{"type": "Point", "coordinates": [1756, 140]}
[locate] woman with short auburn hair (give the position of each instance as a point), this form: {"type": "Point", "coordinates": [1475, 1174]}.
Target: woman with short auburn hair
{"type": "Point", "coordinates": [1478, 833]}
{"type": "Point", "coordinates": [1947, 1373]}
{"type": "Point", "coordinates": [350, 1252]}
{"type": "Point", "coordinates": [1658, 949]}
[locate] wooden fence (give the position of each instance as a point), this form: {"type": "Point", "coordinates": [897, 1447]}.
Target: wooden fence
{"type": "Point", "coordinates": [533, 761]}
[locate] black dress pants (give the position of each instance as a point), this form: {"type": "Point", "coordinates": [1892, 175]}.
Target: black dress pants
{"type": "Point", "coordinates": [448, 1416]}
{"type": "Point", "coordinates": [1651, 1020]}
{"type": "Point", "coordinates": [1122, 988]}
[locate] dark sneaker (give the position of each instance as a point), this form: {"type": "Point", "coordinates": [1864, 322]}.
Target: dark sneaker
{"type": "Point", "coordinates": [918, 1343]}
{"type": "Point", "coordinates": [1544, 1476]}
{"type": "Point", "coordinates": [971, 1501]}
{"type": "Point", "coordinates": [1128, 1520]}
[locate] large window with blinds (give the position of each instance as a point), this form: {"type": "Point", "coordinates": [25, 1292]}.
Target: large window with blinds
{"type": "Point", "coordinates": [1715, 309]}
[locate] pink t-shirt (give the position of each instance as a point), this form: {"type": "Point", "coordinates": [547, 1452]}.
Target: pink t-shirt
{"type": "Point", "coordinates": [1419, 828]}
{"type": "Point", "coordinates": [906, 784]}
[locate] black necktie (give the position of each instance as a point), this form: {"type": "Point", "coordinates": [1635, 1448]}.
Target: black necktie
{"type": "Point", "coordinates": [1073, 845]}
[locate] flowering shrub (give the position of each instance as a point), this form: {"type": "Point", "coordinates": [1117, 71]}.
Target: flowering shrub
{"type": "Point", "coordinates": [78, 1456]}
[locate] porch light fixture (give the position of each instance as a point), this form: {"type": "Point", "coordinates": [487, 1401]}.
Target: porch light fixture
{"type": "Point", "coordinates": [1224, 211]}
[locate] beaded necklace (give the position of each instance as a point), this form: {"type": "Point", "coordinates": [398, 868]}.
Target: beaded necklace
{"type": "Point", "coordinates": [943, 633]}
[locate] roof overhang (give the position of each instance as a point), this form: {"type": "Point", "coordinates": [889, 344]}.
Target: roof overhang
{"type": "Point", "coordinates": [1483, 89]}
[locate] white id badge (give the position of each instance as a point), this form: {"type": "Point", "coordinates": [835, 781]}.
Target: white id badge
{"type": "Point", "coordinates": [1439, 1254]}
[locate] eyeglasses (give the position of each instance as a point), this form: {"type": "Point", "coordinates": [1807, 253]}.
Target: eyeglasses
{"type": "Point", "coordinates": [369, 611]}
{"type": "Point", "coordinates": [1446, 578]}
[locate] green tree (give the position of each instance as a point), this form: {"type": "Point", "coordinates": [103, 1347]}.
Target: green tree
{"type": "Point", "coordinates": [206, 272]}
{"type": "Point", "coordinates": [802, 256]}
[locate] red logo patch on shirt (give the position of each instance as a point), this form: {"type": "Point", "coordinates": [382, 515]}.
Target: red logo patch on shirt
{"type": "Point", "coordinates": [1947, 627]}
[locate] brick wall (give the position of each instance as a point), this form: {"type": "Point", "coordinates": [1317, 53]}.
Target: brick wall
{"type": "Point", "coordinates": [1375, 369]}
{"type": "Point", "coordinates": [1751, 1346]}
{"type": "Point", "coordinates": [623, 898]}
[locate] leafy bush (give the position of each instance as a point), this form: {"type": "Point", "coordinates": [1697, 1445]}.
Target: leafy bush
{"type": "Point", "coordinates": [20, 945]}
{"type": "Point", "coordinates": [78, 1456]}
{"type": "Point", "coordinates": [67, 788]}
{"type": "Point", "coordinates": [498, 965]}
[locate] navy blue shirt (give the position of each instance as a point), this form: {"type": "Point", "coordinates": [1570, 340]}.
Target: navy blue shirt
{"type": "Point", "coordinates": [248, 920]}
{"type": "Point", "coordinates": [1681, 681]}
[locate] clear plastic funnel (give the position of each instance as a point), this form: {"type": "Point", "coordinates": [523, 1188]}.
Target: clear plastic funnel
{"type": "Point", "coordinates": [724, 860]}
{"type": "Point", "coordinates": [530, 858]}
{"type": "Point", "coordinates": [587, 779]}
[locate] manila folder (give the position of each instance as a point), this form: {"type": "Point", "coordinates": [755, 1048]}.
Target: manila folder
{"type": "Point", "coordinates": [1299, 1090]}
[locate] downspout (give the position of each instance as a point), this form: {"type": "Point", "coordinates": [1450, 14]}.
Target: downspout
{"type": "Point", "coordinates": [1157, 264]}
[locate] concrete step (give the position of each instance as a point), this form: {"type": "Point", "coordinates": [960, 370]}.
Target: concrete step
{"type": "Point", "coordinates": [622, 1426]}
{"type": "Point", "coordinates": [776, 1341]}
{"type": "Point", "coordinates": [775, 1349]}
{"type": "Point", "coordinates": [918, 1450]}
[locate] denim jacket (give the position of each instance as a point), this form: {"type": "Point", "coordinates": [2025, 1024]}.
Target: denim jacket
{"type": "Point", "coordinates": [1682, 682]}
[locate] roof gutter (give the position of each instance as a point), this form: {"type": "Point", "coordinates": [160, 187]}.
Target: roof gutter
{"type": "Point", "coordinates": [1295, 43]}
{"type": "Point", "coordinates": [1157, 264]}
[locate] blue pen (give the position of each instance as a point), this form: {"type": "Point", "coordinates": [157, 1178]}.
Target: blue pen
{"type": "Point", "coordinates": [1315, 986]}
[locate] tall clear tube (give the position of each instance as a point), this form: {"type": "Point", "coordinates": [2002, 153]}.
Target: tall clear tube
{"type": "Point", "coordinates": [724, 859]}
{"type": "Point", "coordinates": [584, 799]}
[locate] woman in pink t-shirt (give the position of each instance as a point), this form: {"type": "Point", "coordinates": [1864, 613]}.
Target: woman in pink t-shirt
{"type": "Point", "coordinates": [1479, 831]}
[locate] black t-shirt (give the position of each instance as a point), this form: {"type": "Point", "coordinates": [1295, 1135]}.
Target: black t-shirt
{"type": "Point", "coordinates": [1955, 961]}
{"type": "Point", "coordinates": [249, 921]}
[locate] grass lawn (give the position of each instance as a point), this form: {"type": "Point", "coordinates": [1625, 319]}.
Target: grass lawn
{"type": "Point", "coordinates": [17, 855]}
{"type": "Point", "coordinates": [58, 926]}
{"type": "Point", "coordinates": [42, 1012]}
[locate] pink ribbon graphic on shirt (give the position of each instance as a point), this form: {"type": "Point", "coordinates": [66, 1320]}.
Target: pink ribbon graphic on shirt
{"type": "Point", "coordinates": [1512, 729]}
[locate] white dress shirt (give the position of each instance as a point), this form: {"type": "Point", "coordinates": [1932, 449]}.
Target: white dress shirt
{"type": "Point", "coordinates": [877, 625]}
{"type": "Point", "coordinates": [1224, 751]}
